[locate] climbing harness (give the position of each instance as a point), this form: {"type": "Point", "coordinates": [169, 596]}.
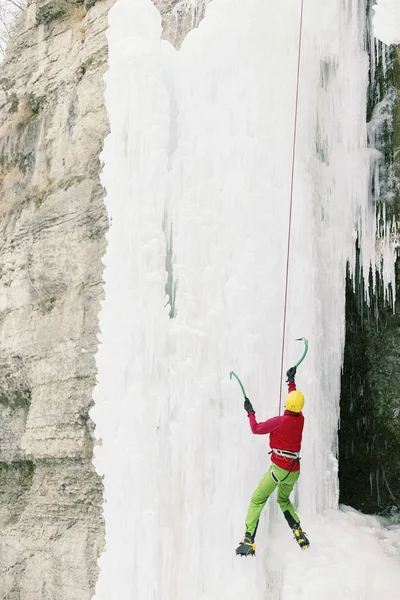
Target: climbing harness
{"type": "Point", "coordinates": [291, 197]}
{"type": "Point", "coordinates": [285, 453]}
{"type": "Point", "coordinates": [294, 461]}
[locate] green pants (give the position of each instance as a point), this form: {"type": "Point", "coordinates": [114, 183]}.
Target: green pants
{"type": "Point", "coordinates": [265, 489]}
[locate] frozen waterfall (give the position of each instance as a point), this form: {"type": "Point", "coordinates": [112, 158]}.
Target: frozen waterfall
{"type": "Point", "coordinates": [197, 173]}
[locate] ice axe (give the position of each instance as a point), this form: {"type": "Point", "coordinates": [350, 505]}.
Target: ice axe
{"type": "Point", "coordinates": [239, 382]}
{"type": "Point", "coordinates": [305, 350]}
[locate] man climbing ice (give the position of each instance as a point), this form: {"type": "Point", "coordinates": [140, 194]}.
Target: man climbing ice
{"type": "Point", "coordinates": [285, 442]}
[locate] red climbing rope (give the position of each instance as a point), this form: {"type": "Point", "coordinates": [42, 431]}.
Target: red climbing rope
{"type": "Point", "coordinates": [291, 199]}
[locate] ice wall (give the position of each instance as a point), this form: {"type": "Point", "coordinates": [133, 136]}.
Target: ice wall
{"type": "Point", "coordinates": [387, 21]}
{"type": "Point", "coordinates": [201, 146]}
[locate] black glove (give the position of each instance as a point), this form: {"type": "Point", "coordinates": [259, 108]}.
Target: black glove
{"type": "Point", "coordinates": [248, 406]}
{"type": "Point", "coordinates": [291, 374]}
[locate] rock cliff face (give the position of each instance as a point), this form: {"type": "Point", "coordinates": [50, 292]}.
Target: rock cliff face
{"type": "Point", "coordinates": [52, 219]}
{"type": "Point", "coordinates": [178, 20]}
{"type": "Point", "coordinates": [53, 222]}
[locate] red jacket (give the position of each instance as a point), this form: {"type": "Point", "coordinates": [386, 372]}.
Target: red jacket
{"type": "Point", "coordinates": [285, 434]}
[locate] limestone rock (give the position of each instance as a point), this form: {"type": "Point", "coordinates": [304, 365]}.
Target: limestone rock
{"type": "Point", "coordinates": [178, 18]}
{"type": "Point", "coordinates": [52, 218]}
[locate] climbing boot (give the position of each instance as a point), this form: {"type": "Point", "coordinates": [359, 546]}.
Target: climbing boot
{"type": "Point", "coordinates": [247, 546]}
{"type": "Point", "coordinates": [300, 537]}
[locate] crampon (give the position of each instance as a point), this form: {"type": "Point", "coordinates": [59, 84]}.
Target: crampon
{"type": "Point", "coordinates": [247, 546]}
{"type": "Point", "coordinates": [301, 538]}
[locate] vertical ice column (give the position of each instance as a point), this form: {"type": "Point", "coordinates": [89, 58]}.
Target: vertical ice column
{"type": "Point", "coordinates": [134, 315]}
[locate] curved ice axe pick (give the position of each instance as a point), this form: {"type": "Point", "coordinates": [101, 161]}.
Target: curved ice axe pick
{"type": "Point", "coordinates": [239, 382]}
{"type": "Point", "coordinates": [305, 350]}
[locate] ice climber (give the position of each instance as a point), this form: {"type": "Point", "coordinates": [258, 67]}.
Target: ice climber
{"type": "Point", "coordinates": [285, 442]}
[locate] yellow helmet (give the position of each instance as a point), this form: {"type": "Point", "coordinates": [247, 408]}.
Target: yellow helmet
{"type": "Point", "coordinates": [294, 401]}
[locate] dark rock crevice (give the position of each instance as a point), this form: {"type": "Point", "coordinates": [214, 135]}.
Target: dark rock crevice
{"type": "Point", "coordinates": [369, 435]}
